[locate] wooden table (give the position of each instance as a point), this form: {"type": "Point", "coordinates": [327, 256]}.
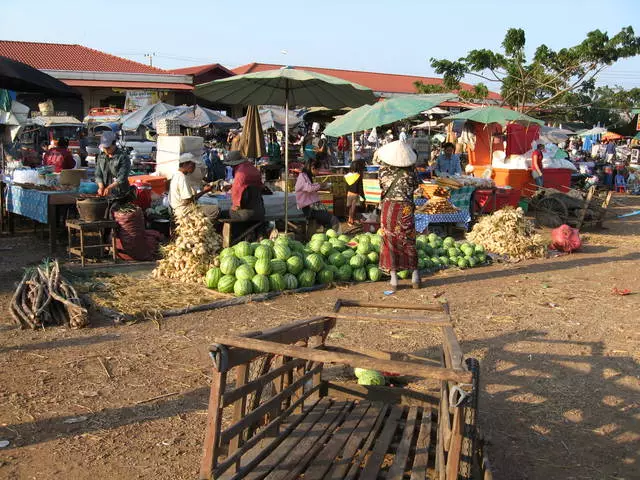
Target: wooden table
{"type": "Point", "coordinates": [82, 227]}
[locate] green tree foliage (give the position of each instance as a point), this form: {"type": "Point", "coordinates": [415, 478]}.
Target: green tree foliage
{"type": "Point", "coordinates": [549, 77]}
{"type": "Point", "coordinates": [604, 105]}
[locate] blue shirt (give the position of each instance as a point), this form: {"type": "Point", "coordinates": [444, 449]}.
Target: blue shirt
{"type": "Point", "coordinates": [450, 165]}
{"type": "Point", "coordinates": [610, 148]}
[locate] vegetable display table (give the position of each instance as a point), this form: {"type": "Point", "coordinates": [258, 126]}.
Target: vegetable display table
{"type": "Point", "coordinates": [82, 227]}
{"type": "Point", "coordinates": [423, 220]}
{"type": "Point", "coordinates": [39, 205]}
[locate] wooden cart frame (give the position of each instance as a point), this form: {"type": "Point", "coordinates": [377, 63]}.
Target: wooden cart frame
{"type": "Point", "coordinates": [283, 418]}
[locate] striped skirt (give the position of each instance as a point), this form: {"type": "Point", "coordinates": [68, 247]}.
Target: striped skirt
{"type": "Point", "coordinates": [398, 248]}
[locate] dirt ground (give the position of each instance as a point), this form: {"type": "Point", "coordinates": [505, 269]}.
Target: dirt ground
{"type": "Point", "coordinates": [558, 351]}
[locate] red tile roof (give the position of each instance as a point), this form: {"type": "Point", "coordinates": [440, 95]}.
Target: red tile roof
{"type": "Point", "coordinates": [118, 84]}
{"type": "Point", "coordinates": [57, 56]}
{"type": "Point", "coordinates": [200, 69]}
{"type": "Point", "coordinates": [378, 82]}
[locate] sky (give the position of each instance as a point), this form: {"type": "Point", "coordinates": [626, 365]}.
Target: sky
{"type": "Point", "coordinates": [372, 35]}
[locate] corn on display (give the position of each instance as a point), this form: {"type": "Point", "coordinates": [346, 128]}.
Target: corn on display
{"type": "Point", "coordinates": [508, 232]}
{"type": "Point", "coordinates": [192, 252]}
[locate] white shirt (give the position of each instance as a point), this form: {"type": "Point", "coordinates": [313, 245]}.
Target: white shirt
{"type": "Point", "coordinates": [180, 193]}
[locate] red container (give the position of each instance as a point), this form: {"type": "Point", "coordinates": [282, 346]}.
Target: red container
{"type": "Point", "coordinates": [483, 200]}
{"type": "Point", "coordinates": [558, 178]}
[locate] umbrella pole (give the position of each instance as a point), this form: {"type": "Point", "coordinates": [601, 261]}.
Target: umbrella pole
{"type": "Point", "coordinates": [353, 147]}
{"type": "Point", "coordinates": [286, 160]}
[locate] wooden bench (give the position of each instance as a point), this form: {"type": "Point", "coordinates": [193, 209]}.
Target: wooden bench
{"type": "Point", "coordinates": [228, 239]}
{"type": "Point", "coordinates": [272, 414]}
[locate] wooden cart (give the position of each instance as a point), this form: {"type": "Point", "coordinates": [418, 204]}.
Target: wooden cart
{"type": "Point", "coordinates": [575, 208]}
{"type": "Point", "coordinates": [275, 412]}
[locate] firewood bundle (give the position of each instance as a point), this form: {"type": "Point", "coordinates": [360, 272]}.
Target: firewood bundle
{"type": "Point", "coordinates": [44, 298]}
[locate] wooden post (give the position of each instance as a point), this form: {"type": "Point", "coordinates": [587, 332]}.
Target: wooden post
{"type": "Point", "coordinates": [214, 420]}
{"type": "Point", "coordinates": [583, 211]}
{"type": "Point", "coordinates": [239, 409]}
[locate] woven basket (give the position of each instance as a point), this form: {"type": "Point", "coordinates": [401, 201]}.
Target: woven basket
{"type": "Point", "coordinates": [168, 126]}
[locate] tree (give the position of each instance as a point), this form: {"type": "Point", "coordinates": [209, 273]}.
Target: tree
{"type": "Point", "coordinates": [478, 93]}
{"type": "Point", "coordinates": [603, 105]}
{"type": "Point", "coordinates": [548, 78]}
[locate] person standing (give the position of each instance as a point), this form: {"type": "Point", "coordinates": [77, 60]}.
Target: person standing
{"type": "Point", "coordinates": [58, 156]}
{"type": "Point", "coordinates": [344, 148]}
{"type": "Point", "coordinates": [112, 168]}
{"type": "Point", "coordinates": [398, 181]}
{"type": "Point", "coordinates": [355, 190]}
{"type": "Point", "coordinates": [610, 151]}
{"type": "Point", "coordinates": [536, 165]}
{"type": "Point", "coordinates": [448, 162]}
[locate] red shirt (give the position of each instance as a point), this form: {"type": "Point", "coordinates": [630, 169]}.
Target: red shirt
{"type": "Point", "coordinates": [536, 160]}
{"type": "Point", "coordinates": [244, 175]}
{"type": "Point", "coordinates": [60, 159]}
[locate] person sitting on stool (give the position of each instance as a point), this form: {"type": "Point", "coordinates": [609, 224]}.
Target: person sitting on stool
{"type": "Point", "coordinates": [182, 194]}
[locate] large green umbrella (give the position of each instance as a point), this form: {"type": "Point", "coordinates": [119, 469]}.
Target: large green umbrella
{"type": "Point", "coordinates": [289, 87]}
{"type": "Point", "coordinates": [494, 115]}
{"type": "Point", "coordinates": [385, 112]}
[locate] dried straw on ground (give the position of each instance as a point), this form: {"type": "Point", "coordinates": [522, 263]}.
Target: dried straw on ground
{"type": "Point", "coordinates": [508, 232]}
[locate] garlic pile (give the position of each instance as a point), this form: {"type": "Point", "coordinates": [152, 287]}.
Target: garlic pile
{"type": "Point", "coordinates": [192, 252]}
{"type": "Point", "coordinates": [508, 232]}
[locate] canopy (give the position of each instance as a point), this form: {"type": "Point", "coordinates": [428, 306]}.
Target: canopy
{"type": "Point", "coordinates": [274, 117]}
{"type": "Point", "coordinates": [612, 136]}
{"type": "Point", "coordinates": [494, 115]}
{"type": "Point", "coordinates": [384, 112]}
{"type": "Point", "coordinates": [552, 135]}
{"type": "Point", "coordinates": [144, 116]}
{"type": "Point", "coordinates": [21, 77]}
{"type": "Point", "coordinates": [195, 116]}
{"type": "Point", "coordinates": [60, 121]}
{"type": "Point", "coordinates": [592, 131]}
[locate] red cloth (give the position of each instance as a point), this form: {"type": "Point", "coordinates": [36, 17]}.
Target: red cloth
{"type": "Point", "coordinates": [244, 175]}
{"type": "Point", "coordinates": [398, 248]}
{"type": "Point", "coordinates": [520, 137]}
{"type": "Point", "coordinates": [536, 160]}
{"type": "Point", "coordinates": [60, 159]}
{"type": "Point", "coordinates": [343, 144]}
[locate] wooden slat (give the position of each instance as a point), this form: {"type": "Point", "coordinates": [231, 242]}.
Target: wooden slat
{"type": "Point", "coordinates": [442, 321]}
{"type": "Point", "coordinates": [297, 455]}
{"type": "Point", "coordinates": [249, 461]}
{"type": "Point", "coordinates": [402, 368]}
{"type": "Point", "coordinates": [214, 420]}
{"type": "Point", "coordinates": [396, 471]}
{"type": "Point", "coordinates": [381, 354]}
{"type": "Point", "coordinates": [401, 306]}
{"type": "Point", "coordinates": [367, 429]}
{"type": "Point", "coordinates": [290, 441]}
{"type": "Point", "coordinates": [240, 405]}
{"type": "Point", "coordinates": [453, 348]}
{"type": "Point", "coordinates": [585, 207]}
{"type": "Point", "coordinates": [453, 458]}
{"type": "Point", "coordinates": [421, 457]}
{"type": "Point", "coordinates": [372, 467]}
{"type": "Point", "coordinates": [267, 407]}
{"type": "Point", "coordinates": [324, 460]}
{"type": "Point", "coordinates": [259, 383]}
{"type": "Point", "coordinates": [379, 393]}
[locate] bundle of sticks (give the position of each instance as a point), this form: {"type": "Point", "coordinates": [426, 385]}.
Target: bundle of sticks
{"type": "Point", "coordinates": [44, 298]}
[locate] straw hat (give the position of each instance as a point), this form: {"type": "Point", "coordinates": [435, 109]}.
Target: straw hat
{"type": "Point", "coordinates": [234, 157]}
{"type": "Point", "coordinates": [397, 154]}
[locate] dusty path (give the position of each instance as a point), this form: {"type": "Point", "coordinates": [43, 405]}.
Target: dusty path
{"type": "Point", "coordinates": [559, 356]}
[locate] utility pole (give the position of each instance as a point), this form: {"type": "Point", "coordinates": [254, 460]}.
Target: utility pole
{"type": "Point", "coordinates": [150, 57]}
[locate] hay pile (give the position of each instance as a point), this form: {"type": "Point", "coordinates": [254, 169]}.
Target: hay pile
{"type": "Point", "coordinates": [190, 255]}
{"type": "Point", "coordinates": [508, 232]}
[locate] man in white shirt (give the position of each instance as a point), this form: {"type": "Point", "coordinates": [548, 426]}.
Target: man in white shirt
{"type": "Point", "coordinates": [182, 194]}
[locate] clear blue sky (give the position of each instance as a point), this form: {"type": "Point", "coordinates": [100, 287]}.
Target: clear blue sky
{"type": "Point", "coordinates": [373, 35]}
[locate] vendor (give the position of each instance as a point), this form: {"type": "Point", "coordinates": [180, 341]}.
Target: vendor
{"type": "Point", "coordinates": [308, 199]}
{"type": "Point", "coordinates": [182, 194]}
{"type": "Point", "coordinates": [536, 165]}
{"type": "Point", "coordinates": [448, 163]}
{"type": "Point", "coordinates": [112, 168]}
{"type": "Point", "coordinates": [272, 169]}
{"type": "Point", "coordinates": [58, 156]}
{"type": "Point", "coordinates": [246, 191]}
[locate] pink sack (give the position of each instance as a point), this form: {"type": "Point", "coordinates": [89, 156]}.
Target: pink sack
{"type": "Point", "coordinates": [565, 239]}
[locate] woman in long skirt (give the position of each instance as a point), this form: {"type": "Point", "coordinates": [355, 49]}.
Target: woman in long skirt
{"type": "Point", "coordinates": [398, 181]}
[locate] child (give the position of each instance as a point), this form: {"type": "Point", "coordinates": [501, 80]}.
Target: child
{"type": "Point", "coordinates": [355, 190]}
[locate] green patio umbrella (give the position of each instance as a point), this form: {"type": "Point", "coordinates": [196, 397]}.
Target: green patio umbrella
{"type": "Point", "coordinates": [494, 115]}
{"type": "Point", "coordinates": [385, 112]}
{"type": "Point", "coordinates": [289, 87]}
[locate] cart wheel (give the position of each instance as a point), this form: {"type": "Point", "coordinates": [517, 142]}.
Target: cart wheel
{"type": "Point", "coordinates": [551, 212]}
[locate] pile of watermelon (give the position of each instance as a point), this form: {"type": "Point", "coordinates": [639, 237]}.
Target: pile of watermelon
{"type": "Point", "coordinates": [287, 264]}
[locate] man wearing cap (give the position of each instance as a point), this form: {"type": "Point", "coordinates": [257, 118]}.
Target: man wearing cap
{"type": "Point", "coordinates": [182, 194]}
{"type": "Point", "coordinates": [246, 191]}
{"type": "Point", "coordinates": [112, 168]}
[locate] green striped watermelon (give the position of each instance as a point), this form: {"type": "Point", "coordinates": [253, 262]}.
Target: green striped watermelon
{"type": "Point", "coordinates": [229, 264]}
{"type": "Point", "coordinates": [348, 253]}
{"type": "Point", "coordinates": [295, 265]}
{"type": "Point", "coordinates": [267, 242]}
{"type": "Point", "coordinates": [276, 282]}
{"type": "Point", "coordinates": [374, 273]}
{"type": "Point", "coordinates": [344, 273]}
{"type": "Point", "coordinates": [325, 276]}
{"type": "Point", "coordinates": [326, 249]}
{"type": "Point", "coordinates": [243, 287]}
{"type": "Point", "coordinates": [242, 249]}
{"type": "Point", "coordinates": [314, 262]}
{"type": "Point", "coordinates": [226, 252]}
{"type": "Point", "coordinates": [264, 251]}
{"type": "Point", "coordinates": [245, 272]}
{"type": "Point", "coordinates": [260, 283]}
{"type": "Point", "coordinates": [249, 260]}
{"type": "Point", "coordinates": [307, 278]}
{"type": "Point", "coordinates": [212, 277]}
{"type": "Point", "coordinates": [226, 283]}
{"type": "Point", "coordinates": [359, 274]}
{"type": "Point", "coordinates": [263, 266]}
{"type": "Point", "coordinates": [290, 281]}
{"type": "Point", "coordinates": [281, 251]}
{"type": "Point", "coordinates": [373, 257]}
{"type": "Point", "coordinates": [357, 261]}
{"type": "Point", "coordinates": [278, 266]}
{"type": "Point", "coordinates": [336, 259]}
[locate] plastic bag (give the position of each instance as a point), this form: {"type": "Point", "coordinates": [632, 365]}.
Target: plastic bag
{"type": "Point", "coordinates": [131, 235]}
{"type": "Point", "coordinates": [565, 239]}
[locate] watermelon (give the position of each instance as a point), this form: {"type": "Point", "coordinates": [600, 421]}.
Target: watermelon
{"type": "Point", "coordinates": [267, 242]}
{"type": "Point", "coordinates": [472, 261]}
{"type": "Point", "coordinates": [307, 278]}
{"type": "Point", "coordinates": [276, 281]}
{"type": "Point", "coordinates": [243, 287]}
{"type": "Point", "coordinates": [226, 283]}
{"type": "Point", "coordinates": [295, 265]}
{"type": "Point", "coordinates": [325, 276]}
{"type": "Point", "coordinates": [334, 269]}
{"type": "Point", "coordinates": [336, 259]}
{"type": "Point", "coordinates": [370, 377]}
{"type": "Point", "coordinates": [245, 272]}
{"type": "Point", "coordinates": [376, 240]}
{"type": "Point", "coordinates": [344, 273]}
{"type": "Point", "coordinates": [357, 261]}
{"type": "Point", "coordinates": [229, 264]}
{"type": "Point", "coordinates": [348, 253]}
{"type": "Point", "coordinates": [254, 245]}
{"type": "Point", "coordinates": [326, 249]}
{"type": "Point", "coordinates": [319, 236]}
{"type": "Point", "coordinates": [331, 233]}
{"type": "Point", "coordinates": [278, 266]}
{"type": "Point", "coordinates": [344, 238]}
{"type": "Point", "coordinates": [404, 274]}
{"type": "Point", "coordinates": [452, 252]}
{"type": "Point", "coordinates": [449, 242]}
{"type": "Point", "coordinates": [260, 283]}
{"type": "Point", "coordinates": [226, 252]}
{"type": "Point", "coordinates": [249, 260]}
{"type": "Point", "coordinates": [363, 248]}
{"type": "Point", "coordinates": [359, 274]}
{"type": "Point", "coordinates": [264, 251]}
{"type": "Point", "coordinates": [281, 251]}
{"type": "Point", "coordinates": [482, 257]}
{"type": "Point", "coordinates": [479, 249]}
{"type": "Point", "coordinates": [242, 249]}
{"type": "Point", "coordinates": [315, 246]}
{"type": "Point", "coordinates": [374, 274]}
{"type": "Point", "coordinates": [212, 277]}
{"type": "Point", "coordinates": [463, 263]}
{"type": "Point", "coordinates": [421, 263]}
{"type": "Point", "coordinates": [373, 257]}
{"type": "Point", "coordinates": [290, 281]}
{"type": "Point", "coordinates": [263, 266]}
{"type": "Point", "coordinates": [314, 262]}
{"type": "Point", "coordinates": [281, 240]}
